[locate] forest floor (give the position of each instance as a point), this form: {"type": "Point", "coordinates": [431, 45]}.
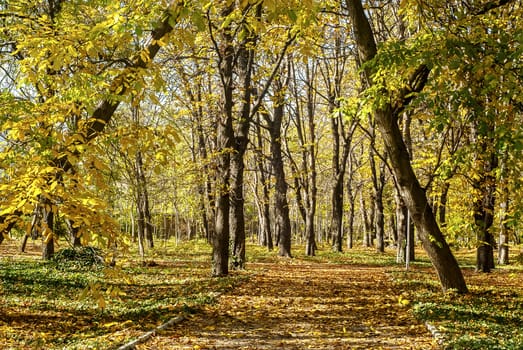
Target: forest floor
{"type": "Point", "coordinates": [302, 305]}
{"type": "Point", "coordinates": [358, 299]}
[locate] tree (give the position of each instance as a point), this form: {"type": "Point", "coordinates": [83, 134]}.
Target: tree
{"type": "Point", "coordinates": [262, 179]}
{"type": "Point", "coordinates": [478, 81]}
{"type": "Point", "coordinates": [281, 204]}
{"type": "Point", "coordinates": [334, 70]}
{"type": "Point", "coordinates": [234, 45]}
{"type": "Point", "coordinates": [386, 116]}
{"type": "Point", "coordinates": [304, 119]}
{"type": "Point", "coordinates": [67, 118]}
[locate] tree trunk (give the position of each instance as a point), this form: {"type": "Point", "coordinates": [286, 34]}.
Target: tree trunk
{"type": "Point", "coordinates": [306, 187]}
{"type": "Point", "coordinates": [380, 216]}
{"type": "Point", "coordinates": [33, 231]}
{"type": "Point", "coordinates": [503, 249]}
{"type": "Point", "coordinates": [484, 185]}
{"type": "Point", "coordinates": [73, 234]}
{"type": "Point", "coordinates": [367, 230]}
{"type": "Point", "coordinates": [245, 58]}
{"type": "Point", "coordinates": [410, 247]}
{"type": "Point", "coordinates": [267, 232]}
{"type": "Point", "coordinates": [380, 224]}
{"type": "Point", "coordinates": [484, 217]}
{"type": "Point", "coordinates": [339, 164]}
{"type": "Point", "coordinates": [310, 244]}
{"type": "Point", "coordinates": [393, 236]}
{"type": "Point", "coordinates": [350, 215]}
{"type": "Point", "coordinates": [220, 239]}
{"type": "Point", "coordinates": [351, 200]}
{"type": "Point", "coordinates": [142, 204]}
{"type": "Point", "coordinates": [434, 243]}
{"type": "Point", "coordinates": [264, 204]}
{"type": "Point", "coordinates": [442, 205]}
{"type": "Point", "coordinates": [205, 187]}
{"type": "Point", "coordinates": [237, 218]}
{"type": "Point", "coordinates": [281, 206]}
{"type": "Point", "coordinates": [337, 211]}
{"type": "Point", "coordinates": [505, 228]}
{"type": "Point", "coordinates": [309, 167]}
{"type": "Point", "coordinates": [48, 234]}
{"type": "Point", "coordinates": [224, 143]}
{"type": "Point", "coordinates": [140, 230]}
{"type": "Point", "coordinates": [401, 220]}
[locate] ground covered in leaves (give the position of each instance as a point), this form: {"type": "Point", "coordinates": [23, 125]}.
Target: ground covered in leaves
{"type": "Point", "coordinates": [303, 305]}
{"type": "Point", "coordinates": [54, 305]}
{"type": "Point", "coordinates": [357, 299]}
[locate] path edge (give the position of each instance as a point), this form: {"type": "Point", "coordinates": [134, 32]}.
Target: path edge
{"type": "Point", "coordinates": [437, 334]}
{"type": "Point", "coordinates": [144, 337]}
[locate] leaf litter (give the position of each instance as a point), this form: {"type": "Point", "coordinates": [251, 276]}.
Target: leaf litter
{"type": "Point", "coordinates": [303, 305]}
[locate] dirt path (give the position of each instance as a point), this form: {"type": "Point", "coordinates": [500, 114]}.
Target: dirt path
{"type": "Point", "coordinates": [299, 305]}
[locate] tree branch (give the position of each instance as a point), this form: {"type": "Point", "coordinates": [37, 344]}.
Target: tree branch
{"type": "Point", "coordinates": [417, 82]}
{"type": "Point", "coordinates": [105, 110]}
{"type": "Point", "coordinates": [491, 5]}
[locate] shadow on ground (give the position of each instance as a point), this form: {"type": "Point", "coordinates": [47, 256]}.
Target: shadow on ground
{"type": "Point", "coordinates": [301, 305]}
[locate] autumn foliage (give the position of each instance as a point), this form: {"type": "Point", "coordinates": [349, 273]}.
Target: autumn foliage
{"type": "Point", "coordinates": [132, 126]}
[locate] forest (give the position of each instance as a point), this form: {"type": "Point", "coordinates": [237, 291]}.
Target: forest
{"type": "Point", "coordinates": [303, 127]}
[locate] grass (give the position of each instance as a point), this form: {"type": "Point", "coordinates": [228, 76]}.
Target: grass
{"type": "Point", "coordinates": [488, 317]}
{"type": "Point", "coordinates": [61, 306]}
{"type": "Point", "coordinates": [356, 256]}
{"type": "Point", "coordinates": [87, 306]}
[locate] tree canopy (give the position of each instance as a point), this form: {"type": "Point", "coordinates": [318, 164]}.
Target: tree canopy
{"type": "Point", "coordinates": [294, 121]}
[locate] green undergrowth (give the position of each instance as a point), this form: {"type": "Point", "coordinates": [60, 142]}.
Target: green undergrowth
{"type": "Point", "coordinates": [78, 302]}
{"type": "Point", "coordinates": [324, 254]}
{"type": "Point", "coordinates": [488, 317]}
{"type": "Point", "coordinates": [64, 304]}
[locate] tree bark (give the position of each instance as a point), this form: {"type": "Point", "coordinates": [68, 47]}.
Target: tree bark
{"type": "Point", "coordinates": [264, 203]}
{"type": "Point", "coordinates": [337, 210]}
{"type": "Point", "coordinates": [484, 184]}
{"type": "Point", "coordinates": [237, 218]}
{"type": "Point", "coordinates": [306, 187]}
{"type": "Point", "coordinates": [281, 206]}
{"type": "Point", "coordinates": [367, 222]}
{"type": "Point", "coordinates": [484, 216]}
{"type": "Point", "coordinates": [245, 57]}
{"type": "Point", "coordinates": [48, 234]}
{"type": "Point", "coordinates": [309, 167]}
{"type": "Point", "coordinates": [442, 205]}
{"type": "Point", "coordinates": [434, 243]}
{"type": "Point", "coordinates": [415, 198]}
{"type": "Point", "coordinates": [401, 222]}
{"type": "Point", "coordinates": [225, 143]}
{"type": "Point", "coordinates": [341, 138]}
{"type": "Point", "coordinates": [380, 216]}
{"type": "Point", "coordinates": [505, 228]}
{"type": "Point", "coordinates": [351, 200]}
{"type": "Point", "coordinates": [73, 233]}
{"type": "Point", "coordinates": [144, 214]}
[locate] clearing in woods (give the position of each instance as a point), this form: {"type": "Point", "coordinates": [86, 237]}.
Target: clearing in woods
{"type": "Point", "coordinates": [348, 302]}
{"type": "Point", "coordinates": [297, 304]}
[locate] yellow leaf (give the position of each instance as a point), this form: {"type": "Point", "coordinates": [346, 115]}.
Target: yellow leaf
{"type": "Point", "coordinates": [101, 302]}
{"type": "Point", "coordinates": [403, 302]}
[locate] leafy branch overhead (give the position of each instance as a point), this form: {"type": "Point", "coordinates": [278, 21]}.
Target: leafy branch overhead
{"type": "Point", "coordinates": [341, 121]}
